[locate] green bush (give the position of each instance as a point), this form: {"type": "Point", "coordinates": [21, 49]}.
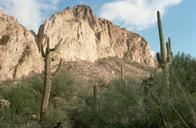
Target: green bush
{"type": "Point", "coordinates": [175, 111]}
{"type": "Point", "coordinates": [63, 85]}
{"type": "Point", "coordinates": [67, 88]}
{"type": "Point", "coordinates": [25, 100]}
{"type": "Point", "coordinates": [119, 106]}
{"type": "Point", "coordinates": [184, 68]}
{"type": "Point", "coordinates": [36, 83]}
{"type": "Point", "coordinates": [9, 119]}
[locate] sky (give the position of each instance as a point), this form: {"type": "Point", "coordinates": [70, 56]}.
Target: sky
{"type": "Point", "coordinates": [178, 17]}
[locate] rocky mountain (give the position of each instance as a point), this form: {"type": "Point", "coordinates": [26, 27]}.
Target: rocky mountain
{"type": "Point", "coordinates": [81, 35]}
{"type": "Point", "coordinates": [19, 54]}
{"type": "Point", "coordinates": [85, 37]}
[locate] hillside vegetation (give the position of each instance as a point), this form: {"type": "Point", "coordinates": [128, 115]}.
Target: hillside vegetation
{"type": "Point", "coordinates": [125, 103]}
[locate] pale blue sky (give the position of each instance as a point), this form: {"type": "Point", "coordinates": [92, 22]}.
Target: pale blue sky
{"type": "Point", "coordinates": [179, 23]}
{"type": "Point", "coordinates": [179, 17]}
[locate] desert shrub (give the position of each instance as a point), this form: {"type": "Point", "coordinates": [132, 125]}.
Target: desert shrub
{"type": "Point", "coordinates": [36, 83]}
{"type": "Point", "coordinates": [184, 68]}
{"type": "Point", "coordinates": [56, 117]}
{"type": "Point", "coordinates": [25, 104]}
{"type": "Point", "coordinates": [63, 85]}
{"type": "Point", "coordinates": [67, 89]}
{"type": "Point", "coordinates": [5, 88]}
{"type": "Point", "coordinates": [176, 111]}
{"type": "Point", "coordinates": [8, 119]}
{"type": "Point", "coordinates": [119, 106]}
{"type": "Point", "coordinates": [24, 100]}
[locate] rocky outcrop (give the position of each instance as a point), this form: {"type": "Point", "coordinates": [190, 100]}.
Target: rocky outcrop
{"type": "Point", "coordinates": [19, 54]}
{"type": "Point", "coordinates": [81, 35]}
{"type": "Point", "coordinates": [85, 37]}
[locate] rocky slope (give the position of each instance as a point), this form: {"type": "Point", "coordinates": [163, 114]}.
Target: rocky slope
{"type": "Point", "coordinates": [19, 54]}
{"type": "Point", "coordinates": [82, 36]}
{"type": "Point", "coordinates": [107, 69]}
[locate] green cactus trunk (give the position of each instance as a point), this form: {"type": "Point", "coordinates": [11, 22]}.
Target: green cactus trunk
{"type": "Point", "coordinates": [161, 38]}
{"type": "Point", "coordinates": [121, 74]}
{"type": "Point", "coordinates": [95, 98]}
{"type": "Point", "coordinates": [164, 57]}
{"type": "Point", "coordinates": [47, 83]}
{"type": "Point", "coordinates": [47, 77]}
{"type": "Point", "coordinates": [169, 51]}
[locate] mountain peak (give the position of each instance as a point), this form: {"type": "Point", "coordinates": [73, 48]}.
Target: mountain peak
{"type": "Point", "coordinates": [83, 11]}
{"type": "Point", "coordinates": [85, 37]}
{"type": "Point", "coordinates": [82, 37]}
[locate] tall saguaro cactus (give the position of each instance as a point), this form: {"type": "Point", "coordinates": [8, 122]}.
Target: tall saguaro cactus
{"type": "Point", "coordinates": [47, 81]}
{"type": "Point", "coordinates": [47, 77]}
{"type": "Point", "coordinates": [162, 54]}
{"type": "Point", "coordinates": [164, 57]}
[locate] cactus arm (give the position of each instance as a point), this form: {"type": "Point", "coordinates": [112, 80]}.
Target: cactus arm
{"type": "Point", "coordinates": [161, 37]}
{"type": "Point", "coordinates": [158, 57]}
{"type": "Point", "coordinates": [58, 68]}
{"type": "Point", "coordinates": [170, 49]}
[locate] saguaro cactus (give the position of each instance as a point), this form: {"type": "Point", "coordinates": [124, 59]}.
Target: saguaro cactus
{"type": "Point", "coordinates": [47, 81]}
{"type": "Point", "coordinates": [95, 98]}
{"type": "Point", "coordinates": [164, 57]}
{"type": "Point", "coordinates": [47, 77]}
{"type": "Point", "coordinates": [162, 54]}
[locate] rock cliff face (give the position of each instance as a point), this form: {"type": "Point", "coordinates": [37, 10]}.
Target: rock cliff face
{"type": "Point", "coordinates": [84, 37]}
{"type": "Point", "coordinates": [19, 54]}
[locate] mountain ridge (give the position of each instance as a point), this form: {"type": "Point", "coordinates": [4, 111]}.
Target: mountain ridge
{"type": "Point", "coordinates": [105, 38]}
{"type": "Point", "coordinates": [83, 38]}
